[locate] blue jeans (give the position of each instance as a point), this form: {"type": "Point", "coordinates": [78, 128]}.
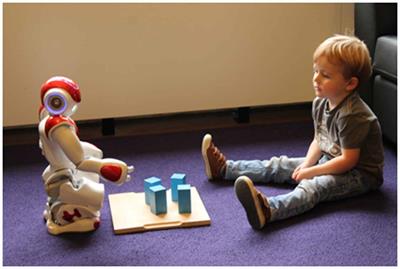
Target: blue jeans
{"type": "Point", "coordinates": [307, 193]}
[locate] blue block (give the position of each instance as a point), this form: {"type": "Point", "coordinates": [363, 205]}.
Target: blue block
{"type": "Point", "coordinates": [184, 201]}
{"type": "Point", "coordinates": [149, 182]}
{"type": "Point", "coordinates": [176, 179]}
{"type": "Point", "coordinates": [158, 199]}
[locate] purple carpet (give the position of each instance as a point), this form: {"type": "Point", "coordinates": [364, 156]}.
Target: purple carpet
{"type": "Point", "coordinates": [357, 231]}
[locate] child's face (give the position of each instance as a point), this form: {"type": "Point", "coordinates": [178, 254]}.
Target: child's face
{"type": "Point", "coordinates": [329, 82]}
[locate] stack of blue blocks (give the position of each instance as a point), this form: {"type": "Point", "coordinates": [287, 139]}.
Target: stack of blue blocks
{"type": "Point", "coordinates": [149, 182]}
{"type": "Point", "coordinates": [155, 194]}
{"type": "Point", "coordinates": [176, 179]}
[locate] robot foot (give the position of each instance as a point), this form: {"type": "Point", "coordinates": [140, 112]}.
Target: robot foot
{"type": "Point", "coordinates": [78, 226]}
{"type": "Point", "coordinates": [46, 215]}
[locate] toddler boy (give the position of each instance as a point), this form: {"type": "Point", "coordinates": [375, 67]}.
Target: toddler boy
{"type": "Point", "coordinates": [344, 159]}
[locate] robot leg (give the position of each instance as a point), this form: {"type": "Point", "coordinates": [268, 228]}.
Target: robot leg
{"type": "Point", "coordinates": [83, 192]}
{"type": "Point", "coordinates": [72, 218]}
{"type": "Point", "coordinates": [73, 204]}
{"type": "Point", "coordinates": [52, 181]}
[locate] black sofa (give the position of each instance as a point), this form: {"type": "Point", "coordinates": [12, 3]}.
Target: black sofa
{"type": "Point", "coordinates": [376, 25]}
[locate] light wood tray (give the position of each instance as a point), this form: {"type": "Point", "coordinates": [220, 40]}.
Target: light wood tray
{"type": "Point", "coordinates": [130, 213]}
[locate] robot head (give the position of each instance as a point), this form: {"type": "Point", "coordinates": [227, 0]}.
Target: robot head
{"type": "Point", "coordinates": [60, 96]}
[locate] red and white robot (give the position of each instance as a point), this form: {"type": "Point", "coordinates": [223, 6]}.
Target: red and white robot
{"type": "Point", "coordinates": [75, 196]}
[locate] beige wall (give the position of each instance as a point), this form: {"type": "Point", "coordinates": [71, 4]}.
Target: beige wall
{"type": "Point", "coordinates": [145, 59]}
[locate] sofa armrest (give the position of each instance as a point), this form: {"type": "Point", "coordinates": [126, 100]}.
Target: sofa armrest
{"type": "Point", "coordinates": [385, 63]}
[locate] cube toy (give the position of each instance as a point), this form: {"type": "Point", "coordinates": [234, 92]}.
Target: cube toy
{"type": "Point", "coordinates": [158, 199]}
{"type": "Point", "coordinates": [149, 182]}
{"type": "Point", "coordinates": [184, 201]}
{"type": "Point", "coordinates": [176, 179]}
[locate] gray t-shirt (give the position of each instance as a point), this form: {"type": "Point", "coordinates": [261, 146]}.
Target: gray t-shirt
{"type": "Point", "coordinates": [350, 125]}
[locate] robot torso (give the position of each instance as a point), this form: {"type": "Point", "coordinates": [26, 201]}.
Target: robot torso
{"type": "Point", "coordinates": [50, 149]}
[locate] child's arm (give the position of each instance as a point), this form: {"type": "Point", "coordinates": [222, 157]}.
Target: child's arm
{"type": "Point", "coordinates": [338, 165]}
{"type": "Point", "coordinates": [313, 155]}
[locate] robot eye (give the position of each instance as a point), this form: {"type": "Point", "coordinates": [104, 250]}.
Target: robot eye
{"type": "Point", "coordinates": [55, 103]}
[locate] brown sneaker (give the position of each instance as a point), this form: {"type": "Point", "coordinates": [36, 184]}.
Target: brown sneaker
{"type": "Point", "coordinates": [214, 160]}
{"type": "Point", "coordinates": [254, 202]}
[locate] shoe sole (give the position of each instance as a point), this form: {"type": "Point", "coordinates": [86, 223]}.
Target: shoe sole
{"type": "Point", "coordinates": [204, 146]}
{"type": "Point", "coordinates": [247, 195]}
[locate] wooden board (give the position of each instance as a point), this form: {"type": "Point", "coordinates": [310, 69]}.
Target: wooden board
{"type": "Point", "coordinates": [130, 213]}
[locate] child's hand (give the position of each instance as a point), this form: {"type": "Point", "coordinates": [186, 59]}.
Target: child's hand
{"type": "Point", "coordinates": [297, 171]}
{"type": "Point", "coordinates": [298, 168]}
{"type": "Point", "coordinates": [303, 171]}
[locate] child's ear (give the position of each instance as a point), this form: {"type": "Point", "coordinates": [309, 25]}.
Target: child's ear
{"type": "Point", "coordinates": [353, 83]}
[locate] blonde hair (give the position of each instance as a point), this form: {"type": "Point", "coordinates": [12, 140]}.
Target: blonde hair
{"type": "Point", "coordinates": [349, 52]}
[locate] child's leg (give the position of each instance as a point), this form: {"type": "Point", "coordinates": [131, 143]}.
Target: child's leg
{"type": "Point", "coordinates": [261, 209]}
{"type": "Point", "coordinates": [214, 160]}
{"type": "Point", "coordinates": [310, 192]}
{"type": "Point", "coordinates": [277, 169]}
{"type": "Point", "coordinates": [274, 170]}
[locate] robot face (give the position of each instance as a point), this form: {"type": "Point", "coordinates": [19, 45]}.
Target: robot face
{"type": "Point", "coordinates": [59, 102]}
{"type": "Point", "coordinates": [55, 103]}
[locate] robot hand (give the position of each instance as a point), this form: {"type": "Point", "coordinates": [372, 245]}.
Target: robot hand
{"type": "Point", "coordinates": [109, 169]}
{"type": "Point", "coordinates": [115, 170]}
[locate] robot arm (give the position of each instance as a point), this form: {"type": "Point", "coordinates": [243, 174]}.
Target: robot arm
{"type": "Point", "coordinates": [69, 142]}
{"type": "Point", "coordinates": [109, 169]}
{"type": "Point", "coordinates": [90, 150]}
